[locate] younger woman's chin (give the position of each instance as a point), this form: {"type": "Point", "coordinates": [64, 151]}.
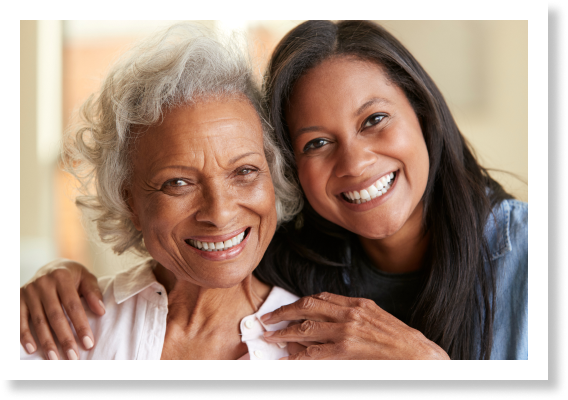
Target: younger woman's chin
{"type": "Point", "coordinates": [372, 233]}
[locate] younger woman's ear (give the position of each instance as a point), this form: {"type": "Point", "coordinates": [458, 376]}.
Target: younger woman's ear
{"type": "Point", "coordinates": [127, 196]}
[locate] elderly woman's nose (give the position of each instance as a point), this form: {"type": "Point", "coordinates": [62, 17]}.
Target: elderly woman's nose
{"type": "Point", "coordinates": [353, 159]}
{"type": "Point", "coordinates": [219, 206]}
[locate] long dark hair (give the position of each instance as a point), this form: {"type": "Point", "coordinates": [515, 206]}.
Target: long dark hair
{"type": "Point", "coordinates": [458, 291]}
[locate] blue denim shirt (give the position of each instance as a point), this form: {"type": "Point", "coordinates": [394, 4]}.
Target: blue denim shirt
{"type": "Point", "coordinates": [507, 236]}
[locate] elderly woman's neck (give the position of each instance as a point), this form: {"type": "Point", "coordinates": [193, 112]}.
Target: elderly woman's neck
{"type": "Point", "coordinates": [189, 301]}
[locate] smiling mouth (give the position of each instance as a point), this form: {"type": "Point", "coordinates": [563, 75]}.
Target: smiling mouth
{"type": "Point", "coordinates": [377, 189]}
{"type": "Point", "coordinates": [218, 246]}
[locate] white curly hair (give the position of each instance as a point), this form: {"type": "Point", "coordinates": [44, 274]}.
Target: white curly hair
{"type": "Point", "coordinates": [184, 64]}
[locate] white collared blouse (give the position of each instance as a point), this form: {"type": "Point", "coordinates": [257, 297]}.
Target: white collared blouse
{"type": "Point", "coordinates": [134, 325]}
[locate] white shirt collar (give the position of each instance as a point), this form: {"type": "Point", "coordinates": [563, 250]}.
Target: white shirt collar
{"type": "Point", "coordinates": [134, 280]}
{"type": "Point", "coordinates": [276, 298]}
{"type": "Point", "coordinates": [131, 282]}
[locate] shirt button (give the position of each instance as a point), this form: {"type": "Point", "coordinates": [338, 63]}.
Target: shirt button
{"type": "Point", "coordinates": [258, 354]}
{"type": "Point", "coordinates": [248, 323]}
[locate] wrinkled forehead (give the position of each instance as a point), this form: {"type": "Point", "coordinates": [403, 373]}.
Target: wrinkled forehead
{"type": "Point", "coordinates": [213, 128]}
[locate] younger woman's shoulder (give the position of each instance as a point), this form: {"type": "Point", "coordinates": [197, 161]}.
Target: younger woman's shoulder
{"type": "Point", "coordinates": [519, 218]}
{"type": "Point", "coordinates": [517, 208]}
{"type": "Point", "coordinates": [512, 209]}
{"type": "Point", "coordinates": [507, 237]}
{"type": "Point", "coordinates": [507, 228]}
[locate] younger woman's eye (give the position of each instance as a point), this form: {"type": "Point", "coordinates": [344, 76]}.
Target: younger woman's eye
{"type": "Point", "coordinates": [373, 120]}
{"type": "Point", "coordinates": [315, 144]}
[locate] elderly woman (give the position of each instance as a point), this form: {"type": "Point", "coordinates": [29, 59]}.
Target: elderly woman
{"type": "Point", "coordinates": [176, 147]}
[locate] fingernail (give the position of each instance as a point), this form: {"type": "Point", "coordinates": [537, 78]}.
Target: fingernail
{"type": "Point", "coordinates": [268, 334]}
{"type": "Point", "coordinates": [71, 354]}
{"type": "Point", "coordinates": [52, 356]}
{"type": "Point", "coordinates": [30, 348]}
{"type": "Point", "coordinates": [266, 317]}
{"type": "Point", "coordinates": [284, 358]}
{"type": "Point", "coordinates": [102, 305]}
{"type": "Point", "coordinates": [87, 342]}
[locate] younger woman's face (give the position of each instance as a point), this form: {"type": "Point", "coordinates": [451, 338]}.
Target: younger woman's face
{"type": "Point", "coordinates": [352, 130]}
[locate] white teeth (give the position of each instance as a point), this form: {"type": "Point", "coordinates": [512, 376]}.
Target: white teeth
{"type": "Point", "coordinates": [373, 191]}
{"type": "Point", "coordinates": [381, 186]}
{"type": "Point", "coordinates": [218, 246]}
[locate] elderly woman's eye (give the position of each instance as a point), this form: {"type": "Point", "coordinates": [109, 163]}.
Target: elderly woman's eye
{"type": "Point", "coordinates": [315, 144]}
{"type": "Point", "coordinates": [246, 171]}
{"type": "Point", "coordinates": [172, 183]}
{"type": "Point", "coordinates": [373, 120]}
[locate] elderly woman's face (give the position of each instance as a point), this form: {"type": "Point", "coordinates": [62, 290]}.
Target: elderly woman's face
{"type": "Point", "coordinates": [201, 180]}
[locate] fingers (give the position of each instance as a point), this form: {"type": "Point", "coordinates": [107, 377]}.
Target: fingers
{"type": "Point", "coordinates": [294, 347]}
{"type": "Point", "coordinates": [305, 344]}
{"type": "Point", "coordinates": [26, 337]}
{"type": "Point", "coordinates": [322, 307]}
{"type": "Point", "coordinates": [76, 313]}
{"type": "Point", "coordinates": [66, 292]}
{"type": "Point", "coordinates": [52, 289]}
{"type": "Point", "coordinates": [300, 343]}
{"type": "Point", "coordinates": [307, 331]}
{"type": "Point", "coordinates": [59, 322]}
{"type": "Point", "coordinates": [345, 301]}
{"type": "Point", "coordinates": [39, 320]}
{"type": "Point", "coordinates": [90, 290]}
{"type": "Point", "coordinates": [306, 308]}
{"type": "Point", "coordinates": [317, 352]}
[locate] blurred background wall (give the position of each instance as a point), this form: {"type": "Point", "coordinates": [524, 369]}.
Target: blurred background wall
{"type": "Point", "coordinates": [480, 67]}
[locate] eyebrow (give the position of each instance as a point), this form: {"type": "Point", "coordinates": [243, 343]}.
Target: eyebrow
{"type": "Point", "coordinates": [237, 158]}
{"type": "Point", "coordinates": [307, 129]}
{"type": "Point", "coordinates": [231, 161]}
{"type": "Point", "coordinates": [373, 101]}
{"type": "Point", "coordinates": [360, 110]}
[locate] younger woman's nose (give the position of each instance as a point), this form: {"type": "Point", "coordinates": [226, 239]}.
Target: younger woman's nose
{"type": "Point", "coordinates": [353, 159]}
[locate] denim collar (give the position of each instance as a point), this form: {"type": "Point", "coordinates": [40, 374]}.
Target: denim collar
{"type": "Point", "coordinates": [497, 230]}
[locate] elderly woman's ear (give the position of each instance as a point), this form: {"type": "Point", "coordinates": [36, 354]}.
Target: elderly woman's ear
{"type": "Point", "coordinates": [127, 196]}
